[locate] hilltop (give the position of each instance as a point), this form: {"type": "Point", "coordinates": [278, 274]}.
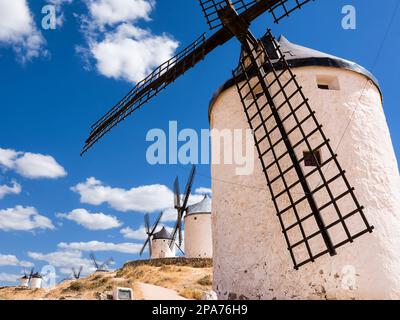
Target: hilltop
{"type": "Point", "coordinates": [188, 278]}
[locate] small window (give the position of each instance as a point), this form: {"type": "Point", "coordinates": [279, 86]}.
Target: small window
{"type": "Point", "coordinates": [323, 86]}
{"type": "Point", "coordinates": [312, 159]}
{"type": "Point", "coordinates": [325, 82]}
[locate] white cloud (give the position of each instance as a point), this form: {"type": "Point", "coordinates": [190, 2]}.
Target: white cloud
{"type": "Point", "coordinates": [144, 199]}
{"type": "Point", "coordinates": [11, 260]}
{"type": "Point", "coordinates": [31, 165]}
{"type": "Point", "coordinates": [65, 260]}
{"type": "Point", "coordinates": [131, 248]}
{"type": "Point", "coordinates": [119, 48]}
{"type": "Point", "coordinates": [23, 219]}
{"type": "Point", "coordinates": [114, 11]}
{"type": "Point", "coordinates": [91, 221]}
{"type": "Point", "coordinates": [131, 53]}
{"type": "Point", "coordinates": [14, 189]}
{"type": "Point", "coordinates": [203, 190]}
{"type": "Point", "coordinates": [8, 277]}
{"type": "Point", "coordinates": [18, 30]}
{"type": "Point", "coordinates": [139, 234]}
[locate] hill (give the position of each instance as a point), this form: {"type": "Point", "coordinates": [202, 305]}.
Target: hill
{"type": "Point", "coordinates": [188, 278]}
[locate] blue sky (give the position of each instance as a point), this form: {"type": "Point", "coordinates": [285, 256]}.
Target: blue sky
{"type": "Point", "coordinates": [53, 86]}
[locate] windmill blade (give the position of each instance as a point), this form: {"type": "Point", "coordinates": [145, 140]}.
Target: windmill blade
{"type": "Point", "coordinates": [249, 9]}
{"type": "Point", "coordinates": [177, 194]}
{"type": "Point", "coordinates": [150, 249]}
{"type": "Point", "coordinates": [150, 233]}
{"type": "Point", "coordinates": [93, 257]}
{"type": "Point", "coordinates": [210, 9]}
{"type": "Point", "coordinates": [31, 273]}
{"type": "Point", "coordinates": [145, 244]}
{"type": "Point", "coordinates": [179, 248]}
{"type": "Point", "coordinates": [80, 271]}
{"type": "Point", "coordinates": [155, 82]}
{"type": "Point", "coordinates": [106, 263]}
{"type": "Point", "coordinates": [166, 74]}
{"type": "Point", "coordinates": [147, 223]}
{"type": "Point", "coordinates": [157, 222]}
{"type": "Point", "coordinates": [188, 188]}
{"type": "Point", "coordinates": [74, 273]}
{"type": "Point", "coordinates": [174, 234]}
{"type": "Point", "coordinates": [317, 208]}
{"type": "Point", "coordinates": [284, 8]}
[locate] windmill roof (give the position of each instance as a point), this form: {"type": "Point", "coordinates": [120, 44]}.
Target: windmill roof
{"type": "Point", "coordinates": [299, 56]}
{"type": "Point", "coordinates": [204, 206]}
{"type": "Point", "coordinates": [162, 234]}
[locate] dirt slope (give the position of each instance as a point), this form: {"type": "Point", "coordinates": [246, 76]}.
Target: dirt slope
{"type": "Point", "coordinates": [189, 278]}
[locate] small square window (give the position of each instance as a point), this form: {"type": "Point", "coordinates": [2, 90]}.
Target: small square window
{"type": "Point", "coordinates": [327, 82]}
{"type": "Point", "coordinates": [323, 86]}
{"type": "Point", "coordinates": [312, 159]}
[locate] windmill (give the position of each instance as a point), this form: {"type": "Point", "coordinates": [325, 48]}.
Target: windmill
{"type": "Point", "coordinates": [157, 242]}
{"type": "Point", "coordinates": [263, 64]}
{"type": "Point", "coordinates": [99, 266]}
{"type": "Point", "coordinates": [77, 273]}
{"type": "Point", "coordinates": [26, 278]}
{"type": "Point", "coordinates": [181, 206]}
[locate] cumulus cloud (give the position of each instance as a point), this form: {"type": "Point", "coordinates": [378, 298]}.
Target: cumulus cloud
{"type": "Point", "coordinates": [130, 248]}
{"type": "Point", "coordinates": [31, 165]}
{"type": "Point", "coordinates": [140, 234]}
{"type": "Point", "coordinates": [64, 260]}
{"type": "Point", "coordinates": [143, 199]}
{"type": "Point", "coordinates": [23, 219]}
{"type": "Point", "coordinates": [203, 190]}
{"type": "Point", "coordinates": [120, 48]}
{"type": "Point", "coordinates": [18, 30]}
{"type": "Point", "coordinates": [8, 277]}
{"type": "Point", "coordinates": [11, 260]}
{"type": "Point", "coordinates": [131, 53]}
{"type": "Point", "coordinates": [91, 221]}
{"type": "Point", "coordinates": [109, 12]}
{"type": "Point", "coordinates": [15, 188]}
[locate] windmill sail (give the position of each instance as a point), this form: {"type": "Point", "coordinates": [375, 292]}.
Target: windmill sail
{"type": "Point", "coordinates": [249, 8]}
{"type": "Point", "coordinates": [149, 87]}
{"type": "Point", "coordinates": [284, 8]}
{"type": "Point", "coordinates": [149, 232]}
{"type": "Point", "coordinates": [315, 203]}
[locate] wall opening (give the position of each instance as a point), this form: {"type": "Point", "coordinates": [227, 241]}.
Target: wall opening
{"type": "Point", "coordinates": [325, 82]}
{"type": "Point", "coordinates": [312, 159]}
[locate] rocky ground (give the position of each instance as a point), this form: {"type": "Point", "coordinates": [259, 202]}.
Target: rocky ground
{"type": "Point", "coordinates": [185, 278]}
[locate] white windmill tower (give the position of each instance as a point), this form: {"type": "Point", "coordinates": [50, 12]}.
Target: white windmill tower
{"type": "Point", "coordinates": [348, 102]}
{"type": "Point", "coordinates": [198, 234]}
{"type": "Point", "coordinates": [303, 209]}
{"type": "Point", "coordinates": [159, 243]}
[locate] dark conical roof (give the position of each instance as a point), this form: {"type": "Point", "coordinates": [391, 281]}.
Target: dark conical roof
{"type": "Point", "coordinates": [299, 56]}
{"type": "Point", "coordinates": [204, 206]}
{"type": "Point", "coordinates": [162, 234]}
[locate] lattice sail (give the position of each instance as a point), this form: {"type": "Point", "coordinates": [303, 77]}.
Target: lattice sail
{"type": "Point", "coordinates": [284, 8]}
{"type": "Point", "coordinates": [146, 89]}
{"type": "Point", "coordinates": [315, 203]}
{"type": "Point", "coordinates": [210, 9]}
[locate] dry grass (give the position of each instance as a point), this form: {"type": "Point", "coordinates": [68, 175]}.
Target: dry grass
{"type": "Point", "coordinates": [205, 281]}
{"type": "Point", "coordinates": [191, 293]}
{"type": "Point", "coordinates": [189, 277]}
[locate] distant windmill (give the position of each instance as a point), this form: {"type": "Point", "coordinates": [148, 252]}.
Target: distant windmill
{"type": "Point", "coordinates": [181, 206]}
{"type": "Point", "coordinates": [100, 267]}
{"type": "Point", "coordinates": [77, 273]}
{"type": "Point", "coordinates": [157, 242]}
{"type": "Point", "coordinates": [26, 278]}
